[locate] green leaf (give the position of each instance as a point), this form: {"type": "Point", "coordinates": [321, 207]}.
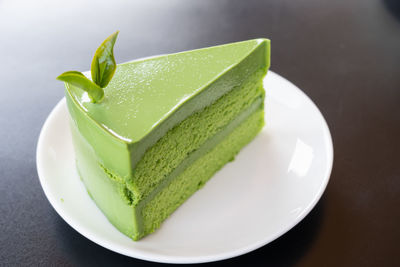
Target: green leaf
{"type": "Point", "coordinates": [77, 79]}
{"type": "Point", "coordinates": [103, 63]}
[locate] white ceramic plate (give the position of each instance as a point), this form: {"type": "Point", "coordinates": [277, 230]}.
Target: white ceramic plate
{"type": "Point", "coordinates": [271, 186]}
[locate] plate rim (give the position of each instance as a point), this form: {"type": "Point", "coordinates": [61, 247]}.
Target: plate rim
{"type": "Point", "coordinates": [154, 257]}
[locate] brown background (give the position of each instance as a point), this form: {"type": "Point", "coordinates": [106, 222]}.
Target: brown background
{"type": "Point", "coordinates": [344, 54]}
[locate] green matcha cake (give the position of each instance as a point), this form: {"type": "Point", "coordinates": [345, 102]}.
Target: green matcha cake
{"type": "Point", "coordinates": [164, 126]}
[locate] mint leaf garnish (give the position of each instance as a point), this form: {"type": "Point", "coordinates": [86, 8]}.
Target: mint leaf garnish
{"type": "Point", "coordinates": [79, 80]}
{"type": "Point", "coordinates": [103, 63]}
{"type": "Point", "coordinates": [102, 69]}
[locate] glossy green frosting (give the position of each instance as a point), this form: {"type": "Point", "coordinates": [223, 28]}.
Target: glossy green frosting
{"type": "Point", "coordinates": [144, 93]}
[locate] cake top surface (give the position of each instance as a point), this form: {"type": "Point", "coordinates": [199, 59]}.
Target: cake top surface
{"type": "Point", "coordinates": [145, 92]}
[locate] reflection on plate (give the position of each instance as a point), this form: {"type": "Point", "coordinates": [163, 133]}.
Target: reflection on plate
{"type": "Point", "coordinates": [271, 186]}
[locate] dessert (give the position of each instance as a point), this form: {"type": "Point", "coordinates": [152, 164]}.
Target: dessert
{"type": "Point", "coordinates": [164, 126]}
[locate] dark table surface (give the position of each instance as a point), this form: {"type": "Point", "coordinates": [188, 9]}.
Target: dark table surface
{"type": "Point", "coordinates": [344, 54]}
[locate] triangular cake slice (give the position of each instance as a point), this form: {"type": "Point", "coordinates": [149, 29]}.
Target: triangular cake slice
{"type": "Point", "coordinates": [165, 126]}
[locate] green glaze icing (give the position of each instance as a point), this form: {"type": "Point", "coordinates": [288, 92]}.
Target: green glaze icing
{"type": "Point", "coordinates": [144, 93]}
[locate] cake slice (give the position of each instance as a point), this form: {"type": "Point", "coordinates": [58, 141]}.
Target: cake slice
{"type": "Point", "coordinates": [165, 125]}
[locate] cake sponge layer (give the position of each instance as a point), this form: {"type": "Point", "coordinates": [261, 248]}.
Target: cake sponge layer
{"type": "Point", "coordinates": [197, 174]}
{"type": "Point", "coordinates": [137, 221]}
{"type": "Point", "coordinates": [188, 136]}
